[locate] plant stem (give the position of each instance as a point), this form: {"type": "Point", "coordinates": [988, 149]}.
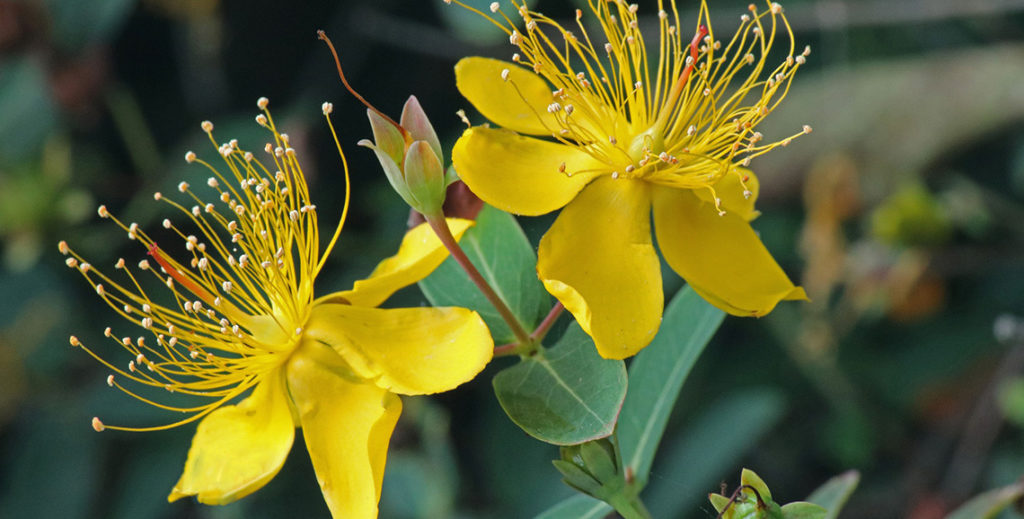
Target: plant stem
{"type": "Point", "coordinates": [440, 227]}
{"type": "Point", "coordinates": [545, 325]}
{"type": "Point", "coordinates": [629, 507]}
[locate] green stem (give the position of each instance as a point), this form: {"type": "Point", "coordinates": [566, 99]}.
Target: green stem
{"type": "Point", "coordinates": [629, 507]}
{"type": "Point", "coordinates": [440, 227]}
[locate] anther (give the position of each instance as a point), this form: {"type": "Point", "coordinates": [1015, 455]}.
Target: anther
{"type": "Point", "coordinates": [504, 74]}
{"type": "Point", "coordinates": [190, 156]}
{"type": "Point", "coordinates": [119, 264]}
{"type": "Point", "coordinates": [107, 332]}
{"type": "Point", "coordinates": [608, 48]}
{"type": "Point", "coordinates": [207, 126]}
{"type": "Point", "coordinates": [808, 129]}
{"type": "Point", "coordinates": [102, 211]}
{"type": "Point", "coordinates": [97, 425]}
{"type": "Point", "coordinates": [494, 7]}
{"type": "Point", "coordinates": [515, 38]}
{"type": "Point", "coordinates": [261, 120]}
{"type": "Point", "coordinates": [615, 175]}
{"type": "Point", "coordinates": [84, 267]}
{"type": "Point", "coordinates": [99, 289]}
{"type": "Point", "coordinates": [74, 341]}
{"type": "Point", "coordinates": [262, 103]}
{"type": "Point", "coordinates": [183, 186]}
{"type": "Point", "coordinates": [110, 380]}
{"type": "Point", "coordinates": [327, 109]}
{"type": "Point", "coordinates": [62, 246]}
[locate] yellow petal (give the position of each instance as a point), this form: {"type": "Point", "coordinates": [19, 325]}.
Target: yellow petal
{"type": "Point", "coordinates": [521, 174]}
{"type": "Point", "coordinates": [598, 260]}
{"type": "Point", "coordinates": [411, 351]}
{"type": "Point", "coordinates": [730, 190]}
{"type": "Point", "coordinates": [239, 448]}
{"type": "Point", "coordinates": [418, 255]}
{"type": "Point", "coordinates": [719, 256]}
{"type": "Point", "coordinates": [347, 425]}
{"type": "Point", "coordinates": [519, 104]}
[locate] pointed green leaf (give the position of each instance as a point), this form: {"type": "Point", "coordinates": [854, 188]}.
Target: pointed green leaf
{"type": "Point", "coordinates": [577, 478]}
{"type": "Point", "coordinates": [989, 504]}
{"type": "Point", "coordinates": [833, 494]}
{"type": "Point", "coordinates": [566, 394]}
{"type": "Point", "coordinates": [801, 510]}
{"type": "Point", "coordinates": [499, 249]}
{"type": "Point", "coordinates": [577, 507]}
{"type": "Point", "coordinates": [750, 478]}
{"type": "Point", "coordinates": [599, 459]}
{"type": "Point", "coordinates": [657, 374]}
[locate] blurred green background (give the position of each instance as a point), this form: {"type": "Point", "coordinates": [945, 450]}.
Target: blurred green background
{"type": "Point", "coordinates": [902, 215]}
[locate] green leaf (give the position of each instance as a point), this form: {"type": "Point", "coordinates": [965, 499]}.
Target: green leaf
{"type": "Point", "coordinates": [505, 258]}
{"type": "Point", "coordinates": [989, 504]}
{"type": "Point", "coordinates": [835, 492]}
{"type": "Point", "coordinates": [578, 506]}
{"type": "Point", "coordinates": [657, 374]}
{"type": "Point", "coordinates": [577, 478]}
{"type": "Point", "coordinates": [566, 394]}
{"type": "Point", "coordinates": [801, 510]}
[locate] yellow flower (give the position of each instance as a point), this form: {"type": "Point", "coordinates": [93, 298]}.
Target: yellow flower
{"type": "Point", "coordinates": [242, 315]}
{"type": "Point", "coordinates": [631, 132]}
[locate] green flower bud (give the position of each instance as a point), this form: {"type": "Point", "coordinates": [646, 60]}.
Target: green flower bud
{"type": "Point", "coordinates": [415, 121]}
{"type": "Point", "coordinates": [592, 468]}
{"type": "Point", "coordinates": [752, 500]}
{"type": "Point", "coordinates": [599, 459]}
{"type": "Point", "coordinates": [424, 177]}
{"type": "Point", "coordinates": [410, 154]}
